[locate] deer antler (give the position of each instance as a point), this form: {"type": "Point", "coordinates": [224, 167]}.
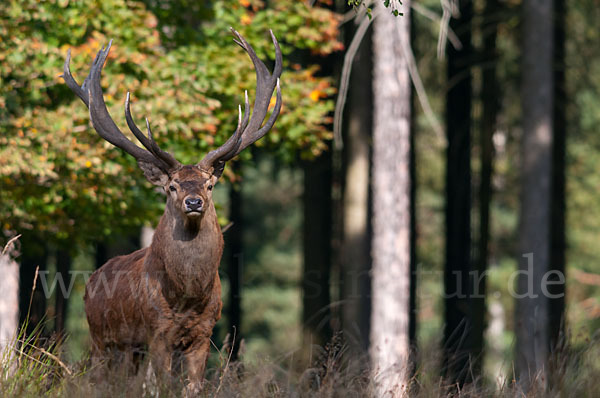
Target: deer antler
{"type": "Point", "coordinates": [90, 93]}
{"type": "Point", "coordinates": [249, 130]}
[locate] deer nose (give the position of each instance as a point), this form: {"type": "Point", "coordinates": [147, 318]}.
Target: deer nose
{"type": "Point", "coordinates": [193, 203]}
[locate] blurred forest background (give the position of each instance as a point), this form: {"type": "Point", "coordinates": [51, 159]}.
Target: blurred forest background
{"type": "Point", "coordinates": [297, 260]}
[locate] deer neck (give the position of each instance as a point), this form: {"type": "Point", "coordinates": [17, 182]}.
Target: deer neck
{"type": "Point", "coordinates": [188, 252]}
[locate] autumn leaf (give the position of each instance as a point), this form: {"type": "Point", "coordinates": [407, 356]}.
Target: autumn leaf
{"type": "Point", "coordinates": [315, 95]}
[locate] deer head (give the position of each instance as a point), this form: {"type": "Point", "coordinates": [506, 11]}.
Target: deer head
{"type": "Point", "coordinates": [188, 187]}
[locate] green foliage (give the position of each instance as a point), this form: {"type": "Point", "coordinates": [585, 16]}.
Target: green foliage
{"type": "Point", "coordinates": [59, 179]}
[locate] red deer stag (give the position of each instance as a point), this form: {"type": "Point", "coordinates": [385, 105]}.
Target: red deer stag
{"type": "Point", "coordinates": [167, 297]}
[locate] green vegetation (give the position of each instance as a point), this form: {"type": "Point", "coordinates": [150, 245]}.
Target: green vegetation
{"type": "Point", "coordinates": [60, 179]}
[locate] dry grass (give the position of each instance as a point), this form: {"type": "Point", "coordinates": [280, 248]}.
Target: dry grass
{"type": "Point", "coordinates": [36, 369]}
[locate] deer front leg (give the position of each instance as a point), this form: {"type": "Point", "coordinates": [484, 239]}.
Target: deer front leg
{"type": "Point", "coordinates": [160, 357]}
{"type": "Point", "coordinates": [195, 365]}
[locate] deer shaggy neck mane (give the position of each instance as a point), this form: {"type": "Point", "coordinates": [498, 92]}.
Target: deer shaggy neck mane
{"type": "Point", "coordinates": [187, 250]}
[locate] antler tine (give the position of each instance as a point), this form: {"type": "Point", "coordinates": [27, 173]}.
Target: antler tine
{"type": "Point", "coordinates": [249, 130]}
{"type": "Point", "coordinates": [242, 124]}
{"type": "Point", "coordinates": [228, 150]}
{"type": "Point", "coordinates": [90, 92]}
{"type": "Point", "coordinates": [147, 142]}
{"type": "Point", "coordinates": [71, 82]}
{"type": "Point", "coordinates": [231, 145]}
{"type": "Point", "coordinates": [265, 84]}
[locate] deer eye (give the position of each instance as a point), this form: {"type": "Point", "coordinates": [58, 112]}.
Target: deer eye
{"type": "Point", "coordinates": [210, 187]}
{"type": "Point", "coordinates": [172, 188]}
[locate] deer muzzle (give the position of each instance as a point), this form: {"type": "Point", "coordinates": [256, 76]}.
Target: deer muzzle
{"type": "Point", "coordinates": [193, 205]}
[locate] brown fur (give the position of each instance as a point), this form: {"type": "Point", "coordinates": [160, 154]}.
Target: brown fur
{"type": "Point", "coordinates": [166, 297]}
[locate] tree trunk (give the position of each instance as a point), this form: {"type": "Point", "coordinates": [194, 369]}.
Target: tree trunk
{"type": "Point", "coordinates": [146, 235]}
{"type": "Point", "coordinates": [356, 256]}
{"type": "Point", "coordinates": [100, 254]}
{"type": "Point", "coordinates": [556, 319]}
{"type": "Point", "coordinates": [318, 229]}
{"type": "Point", "coordinates": [458, 322]}
{"type": "Point", "coordinates": [9, 299]}
{"type": "Point", "coordinates": [390, 347]}
{"type": "Point", "coordinates": [234, 268]}
{"type": "Point", "coordinates": [532, 303]}
{"type": "Point", "coordinates": [412, 320]}
{"type": "Point", "coordinates": [317, 250]}
{"type": "Point", "coordinates": [32, 302]}
{"type": "Point", "coordinates": [489, 98]}
{"type": "Point", "coordinates": [63, 268]}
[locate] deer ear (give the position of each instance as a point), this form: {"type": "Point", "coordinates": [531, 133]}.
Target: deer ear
{"type": "Point", "coordinates": [218, 169]}
{"type": "Point", "coordinates": [153, 174]}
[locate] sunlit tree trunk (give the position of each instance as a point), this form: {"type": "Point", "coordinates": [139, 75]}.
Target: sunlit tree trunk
{"type": "Point", "coordinates": [146, 235]}
{"type": "Point", "coordinates": [9, 298]}
{"type": "Point", "coordinates": [390, 347]}
{"type": "Point", "coordinates": [531, 312]}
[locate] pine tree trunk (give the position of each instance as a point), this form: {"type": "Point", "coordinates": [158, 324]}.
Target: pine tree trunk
{"type": "Point", "coordinates": [556, 323]}
{"type": "Point", "coordinates": [234, 268]}
{"type": "Point", "coordinates": [146, 235]}
{"type": "Point", "coordinates": [321, 218]}
{"type": "Point", "coordinates": [532, 303]}
{"type": "Point", "coordinates": [317, 250]}
{"type": "Point", "coordinates": [101, 253]}
{"type": "Point", "coordinates": [489, 99]}
{"type": "Point", "coordinates": [32, 302]}
{"type": "Point", "coordinates": [390, 347]}
{"type": "Point", "coordinates": [63, 268]}
{"type": "Point", "coordinates": [412, 327]}
{"type": "Point", "coordinates": [458, 321]}
{"type": "Point", "coordinates": [356, 256]}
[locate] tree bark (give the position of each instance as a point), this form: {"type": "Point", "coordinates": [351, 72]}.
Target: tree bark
{"type": "Point", "coordinates": [234, 268]}
{"type": "Point", "coordinates": [556, 320]}
{"type": "Point", "coordinates": [146, 235]}
{"type": "Point", "coordinates": [100, 254]}
{"type": "Point", "coordinates": [458, 321]}
{"type": "Point", "coordinates": [318, 229]}
{"type": "Point", "coordinates": [63, 268]}
{"type": "Point", "coordinates": [356, 256]}
{"type": "Point", "coordinates": [32, 302]}
{"type": "Point", "coordinates": [9, 299]}
{"type": "Point", "coordinates": [489, 98]}
{"type": "Point", "coordinates": [317, 250]}
{"type": "Point", "coordinates": [390, 346]}
{"type": "Point", "coordinates": [532, 305]}
{"type": "Point", "coordinates": [412, 320]}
